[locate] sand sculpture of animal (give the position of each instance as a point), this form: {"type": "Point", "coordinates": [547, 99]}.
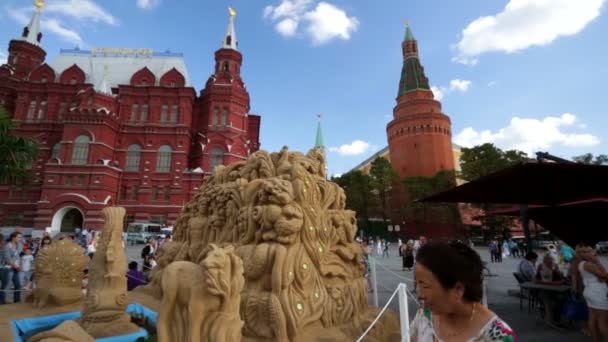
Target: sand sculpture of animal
{"type": "Point", "coordinates": [59, 272]}
{"type": "Point", "coordinates": [201, 301]}
{"type": "Point", "coordinates": [289, 225]}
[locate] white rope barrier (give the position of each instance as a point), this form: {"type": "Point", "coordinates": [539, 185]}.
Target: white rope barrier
{"type": "Point", "coordinates": [379, 315]}
{"type": "Point", "coordinates": [396, 274]}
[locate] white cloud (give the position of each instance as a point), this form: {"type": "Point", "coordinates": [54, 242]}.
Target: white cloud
{"type": "Point", "coordinates": [323, 23]}
{"type": "Point", "coordinates": [81, 9]}
{"type": "Point", "coordinates": [492, 83]}
{"type": "Point", "coordinates": [355, 148]}
{"type": "Point", "coordinates": [439, 92]}
{"type": "Point", "coordinates": [455, 85]}
{"type": "Point", "coordinates": [3, 57]}
{"type": "Point", "coordinates": [328, 22]}
{"type": "Point", "coordinates": [460, 85]}
{"type": "Point", "coordinates": [530, 135]}
{"type": "Point", "coordinates": [147, 4]}
{"type": "Point", "coordinates": [523, 24]}
{"type": "Point", "coordinates": [287, 27]}
{"type": "Point", "coordinates": [52, 25]}
{"type": "Point", "coordinates": [55, 26]}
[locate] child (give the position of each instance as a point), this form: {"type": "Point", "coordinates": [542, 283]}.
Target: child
{"type": "Point", "coordinates": [26, 267]}
{"type": "Point", "coordinates": [135, 278]}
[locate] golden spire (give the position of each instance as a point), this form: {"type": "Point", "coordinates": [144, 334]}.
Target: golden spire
{"type": "Point", "coordinates": [231, 12]}
{"type": "Point", "coordinates": [38, 4]}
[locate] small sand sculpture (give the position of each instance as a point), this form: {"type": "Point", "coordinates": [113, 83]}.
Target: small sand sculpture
{"type": "Point", "coordinates": [201, 301]}
{"type": "Point", "coordinates": [304, 273]}
{"type": "Point", "coordinates": [106, 300]}
{"type": "Point", "coordinates": [68, 331]}
{"type": "Point", "coordinates": [59, 272]}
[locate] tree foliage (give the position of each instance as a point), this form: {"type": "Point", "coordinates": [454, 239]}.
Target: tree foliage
{"type": "Point", "coordinates": [483, 160]}
{"type": "Point", "coordinates": [16, 153]}
{"type": "Point", "coordinates": [588, 158]}
{"type": "Point", "coordinates": [383, 177]}
{"type": "Point", "coordinates": [420, 187]}
{"type": "Point", "coordinates": [357, 187]}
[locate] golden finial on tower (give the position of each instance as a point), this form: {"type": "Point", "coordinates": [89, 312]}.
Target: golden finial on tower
{"type": "Point", "coordinates": [406, 22]}
{"type": "Point", "coordinates": [38, 4]}
{"type": "Point", "coordinates": [231, 12]}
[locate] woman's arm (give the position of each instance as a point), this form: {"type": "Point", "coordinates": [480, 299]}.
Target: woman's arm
{"type": "Point", "coordinates": [596, 268]}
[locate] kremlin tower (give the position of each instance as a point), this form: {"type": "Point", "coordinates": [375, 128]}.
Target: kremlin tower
{"type": "Point", "coordinates": [419, 136]}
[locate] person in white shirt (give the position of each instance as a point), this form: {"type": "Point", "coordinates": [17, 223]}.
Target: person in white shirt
{"type": "Point", "coordinates": [26, 268]}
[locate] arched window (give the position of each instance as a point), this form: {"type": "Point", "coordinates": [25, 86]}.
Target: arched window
{"type": "Point", "coordinates": [163, 161]}
{"type": "Point", "coordinates": [217, 158]}
{"type": "Point", "coordinates": [80, 155]}
{"type": "Point", "coordinates": [56, 151]}
{"type": "Point", "coordinates": [214, 119]}
{"type": "Point", "coordinates": [225, 118]}
{"type": "Point", "coordinates": [133, 157]}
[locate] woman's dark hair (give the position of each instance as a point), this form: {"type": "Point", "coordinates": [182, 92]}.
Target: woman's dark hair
{"type": "Point", "coordinates": [133, 265]}
{"type": "Point", "coordinates": [12, 236]}
{"type": "Point", "coordinates": [531, 256]}
{"type": "Point", "coordinates": [452, 263]}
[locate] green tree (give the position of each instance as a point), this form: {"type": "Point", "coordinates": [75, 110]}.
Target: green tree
{"type": "Point", "coordinates": [483, 160]}
{"type": "Point", "coordinates": [383, 178]}
{"type": "Point", "coordinates": [588, 158]}
{"type": "Point", "coordinates": [421, 187]}
{"type": "Point", "coordinates": [16, 153]}
{"type": "Point", "coordinates": [357, 187]}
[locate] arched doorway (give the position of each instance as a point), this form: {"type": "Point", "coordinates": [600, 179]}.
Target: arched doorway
{"type": "Point", "coordinates": [67, 219]}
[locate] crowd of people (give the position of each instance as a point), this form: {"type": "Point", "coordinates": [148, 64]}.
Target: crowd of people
{"type": "Point", "coordinates": [18, 255]}
{"type": "Point", "coordinates": [583, 271]}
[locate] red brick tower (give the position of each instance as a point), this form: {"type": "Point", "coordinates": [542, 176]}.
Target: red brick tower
{"type": "Point", "coordinates": [226, 132]}
{"type": "Point", "coordinates": [25, 53]}
{"type": "Point", "coordinates": [419, 136]}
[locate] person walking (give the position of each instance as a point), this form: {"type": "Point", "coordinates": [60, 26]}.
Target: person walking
{"type": "Point", "coordinates": [407, 253]}
{"type": "Point", "coordinates": [379, 247]}
{"type": "Point", "coordinates": [493, 248]}
{"type": "Point", "coordinates": [385, 245]}
{"type": "Point", "coordinates": [399, 244]}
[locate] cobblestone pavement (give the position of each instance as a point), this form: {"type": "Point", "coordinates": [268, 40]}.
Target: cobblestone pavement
{"type": "Point", "coordinates": [526, 325]}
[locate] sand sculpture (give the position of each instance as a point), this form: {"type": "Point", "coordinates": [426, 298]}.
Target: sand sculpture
{"type": "Point", "coordinates": [68, 331]}
{"type": "Point", "coordinates": [59, 272]}
{"type": "Point", "coordinates": [304, 273]}
{"type": "Point", "coordinates": [201, 301]}
{"type": "Point", "coordinates": [104, 312]}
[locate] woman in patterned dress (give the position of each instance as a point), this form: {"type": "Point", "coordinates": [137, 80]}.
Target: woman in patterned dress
{"type": "Point", "coordinates": [449, 280]}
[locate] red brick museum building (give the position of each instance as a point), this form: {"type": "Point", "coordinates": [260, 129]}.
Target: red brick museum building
{"type": "Point", "coordinates": [119, 127]}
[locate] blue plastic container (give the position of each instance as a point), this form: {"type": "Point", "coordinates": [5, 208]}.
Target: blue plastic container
{"type": "Point", "coordinates": [27, 327]}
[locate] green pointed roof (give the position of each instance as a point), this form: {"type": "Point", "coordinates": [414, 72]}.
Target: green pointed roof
{"type": "Point", "coordinates": [408, 33]}
{"type": "Point", "coordinates": [412, 73]}
{"type": "Point", "coordinates": [319, 140]}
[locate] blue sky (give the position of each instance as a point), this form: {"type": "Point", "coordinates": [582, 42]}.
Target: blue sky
{"type": "Point", "coordinates": [523, 74]}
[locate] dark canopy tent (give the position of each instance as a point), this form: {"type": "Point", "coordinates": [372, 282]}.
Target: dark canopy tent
{"type": "Point", "coordinates": [574, 223]}
{"type": "Point", "coordinates": [545, 184]}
